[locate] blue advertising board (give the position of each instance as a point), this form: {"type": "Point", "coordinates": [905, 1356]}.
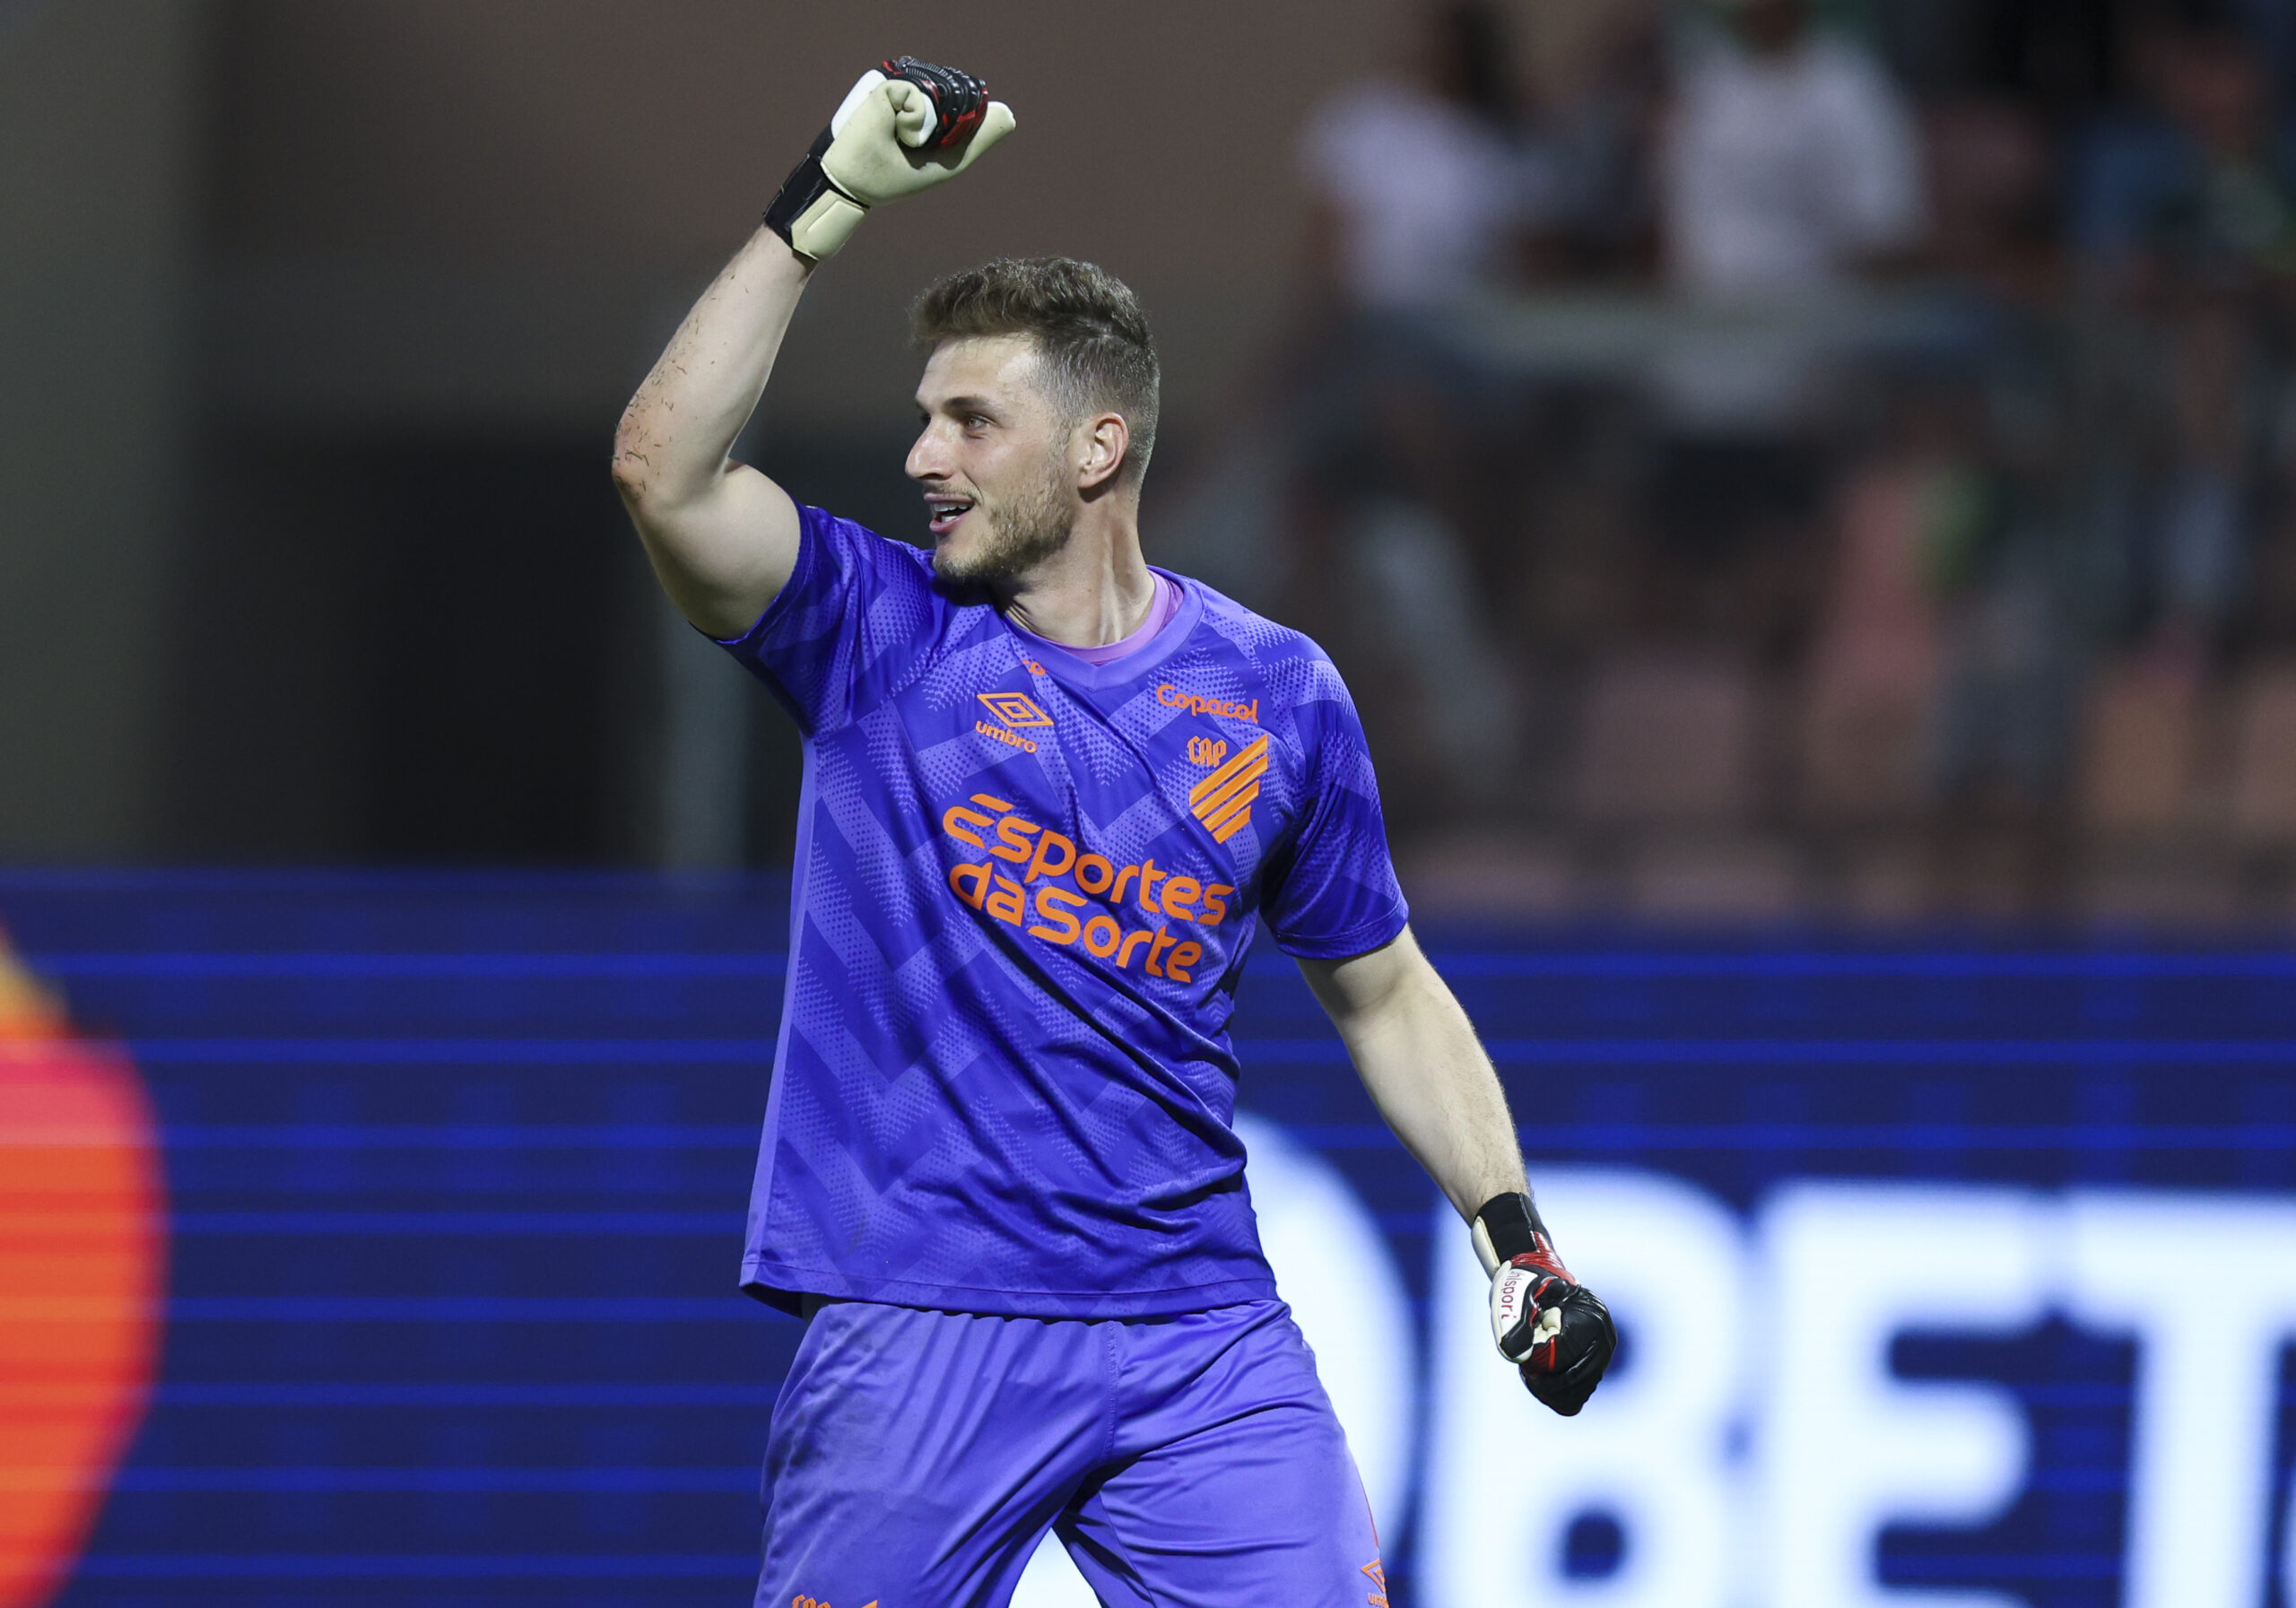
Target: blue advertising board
{"type": "Point", "coordinates": [1945, 1274]}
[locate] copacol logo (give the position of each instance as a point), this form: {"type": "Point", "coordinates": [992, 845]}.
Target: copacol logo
{"type": "Point", "coordinates": [1757, 1442]}
{"type": "Point", "coordinates": [1199, 703]}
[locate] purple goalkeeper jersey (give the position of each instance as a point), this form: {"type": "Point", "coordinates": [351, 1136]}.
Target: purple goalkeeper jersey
{"type": "Point", "coordinates": [1024, 889]}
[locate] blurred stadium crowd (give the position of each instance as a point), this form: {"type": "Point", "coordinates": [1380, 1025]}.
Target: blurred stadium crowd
{"type": "Point", "coordinates": [1753, 459]}
{"type": "Point", "coordinates": [1778, 460]}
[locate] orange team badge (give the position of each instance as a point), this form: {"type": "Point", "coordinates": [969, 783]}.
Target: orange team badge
{"type": "Point", "coordinates": [1378, 1595]}
{"type": "Point", "coordinates": [1015, 710]}
{"type": "Point", "coordinates": [1222, 801]}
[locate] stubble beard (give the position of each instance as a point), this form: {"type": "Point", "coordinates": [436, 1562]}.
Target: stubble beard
{"type": "Point", "coordinates": [1033, 524]}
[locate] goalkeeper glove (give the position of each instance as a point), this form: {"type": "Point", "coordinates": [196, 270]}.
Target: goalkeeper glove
{"type": "Point", "coordinates": [906, 126]}
{"type": "Point", "coordinates": [1556, 1331]}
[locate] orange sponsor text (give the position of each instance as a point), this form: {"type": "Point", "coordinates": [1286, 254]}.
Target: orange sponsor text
{"type": "Point", "coordinates": [1053, 891]}
{"type": "Point", "coordinates": [1195, 703]}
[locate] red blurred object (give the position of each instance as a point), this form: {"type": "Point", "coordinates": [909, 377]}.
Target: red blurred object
{"type": "Point", "coordinates": [83, 1274]}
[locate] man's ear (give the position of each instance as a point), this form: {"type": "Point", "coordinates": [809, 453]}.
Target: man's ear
{"type": "Point", "coordinates": [1101, 442]}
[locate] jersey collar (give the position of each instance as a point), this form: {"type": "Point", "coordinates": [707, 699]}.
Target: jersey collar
{"type": "Point", "coordinates": [1068, 667]}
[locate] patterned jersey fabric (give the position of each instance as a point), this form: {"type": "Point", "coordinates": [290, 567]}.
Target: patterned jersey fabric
{"type": "Point", "coordinates": [1024, 889]}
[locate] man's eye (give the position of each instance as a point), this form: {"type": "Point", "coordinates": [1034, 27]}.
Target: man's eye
{"type": "Point", "coordinates": [976, 421]}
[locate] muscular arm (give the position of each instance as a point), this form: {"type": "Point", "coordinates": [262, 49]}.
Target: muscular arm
{"type": "Point", "coordinates": [723, 538]}
{"type": "Point", "coordinates": [1418, 1055]}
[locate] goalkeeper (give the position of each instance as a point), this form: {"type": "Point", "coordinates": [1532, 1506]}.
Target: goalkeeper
{"type": "Point", "coordinates": [1050, 794]}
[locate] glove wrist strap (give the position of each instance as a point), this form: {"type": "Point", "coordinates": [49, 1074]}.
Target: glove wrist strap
{"type": "Point", "coordinates": [811, 213]}
{"type": "Point", "coordinates": [1507, 1227]}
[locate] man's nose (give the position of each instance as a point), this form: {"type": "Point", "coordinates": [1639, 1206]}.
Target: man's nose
{"type": "Point", "coordinates": [927, 461]}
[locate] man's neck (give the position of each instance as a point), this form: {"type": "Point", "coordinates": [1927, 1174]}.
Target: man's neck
{"type": "Point", "coordinates": [1095, 591]}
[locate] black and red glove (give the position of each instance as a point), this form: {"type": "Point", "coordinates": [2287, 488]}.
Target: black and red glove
{"type": "Point", "coordinates": [960, 100]}
{"type": "Point", "coordinates": [905, 126]}
{"type": "Point", "coordinates": [1556, 1331]}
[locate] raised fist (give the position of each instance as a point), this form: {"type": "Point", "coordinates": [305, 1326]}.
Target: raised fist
{"type": "Point", "coordinates": [903, 127]}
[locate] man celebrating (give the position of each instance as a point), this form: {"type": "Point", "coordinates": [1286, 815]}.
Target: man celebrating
{"type": "Point", "coordinates": [1047, 789]}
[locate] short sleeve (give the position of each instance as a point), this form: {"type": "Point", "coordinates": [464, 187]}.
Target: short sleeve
{"type": "Point", "coordinates": [1331, 891]}
{"type": "Point", "coordinates": [849, 626]}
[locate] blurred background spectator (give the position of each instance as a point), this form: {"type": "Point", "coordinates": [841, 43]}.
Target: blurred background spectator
{"type": "Point", "coordinates": [1754, 458]}
{"type": "Point", "coordinates": [1790, 158]}
{"type": "Point", "coordinates": [1418, 179]}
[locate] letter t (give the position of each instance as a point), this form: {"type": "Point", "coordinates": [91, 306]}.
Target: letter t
{"type": "Point", "coordinates": [2208, 1286]}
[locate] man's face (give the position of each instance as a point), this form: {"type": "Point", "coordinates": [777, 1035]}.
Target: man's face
{"type": "Point", "coordinates": [992, 459]}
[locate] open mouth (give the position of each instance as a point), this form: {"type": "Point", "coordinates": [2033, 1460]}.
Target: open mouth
{"type": "Point", "coordinates": [944, 510]}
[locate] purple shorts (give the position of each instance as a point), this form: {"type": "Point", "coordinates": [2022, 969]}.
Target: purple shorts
{"type": "Point", "coordinates": [916, 1458]}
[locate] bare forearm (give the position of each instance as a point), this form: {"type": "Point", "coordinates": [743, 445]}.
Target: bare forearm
{"type": "Point", "coordinates": [1418, 1055]}
{"type": "Point", "coordinates": [678, 429]}
{"type": "Point", "coordinates": [1420, 1060]}
{"type": "Point", "coordinates": [1436, 1088]}
{"type": "Point", "coordinates": [722, 538]}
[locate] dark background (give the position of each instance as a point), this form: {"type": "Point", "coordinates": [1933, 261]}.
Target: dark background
{"type": "Point", "coordinates": [317, 317]}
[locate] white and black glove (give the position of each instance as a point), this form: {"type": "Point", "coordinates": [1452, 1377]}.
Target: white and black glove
{"type": "Point", "coordinates": [906, 126]}
{"type": "Point", "coordinates": [1556, 1331]}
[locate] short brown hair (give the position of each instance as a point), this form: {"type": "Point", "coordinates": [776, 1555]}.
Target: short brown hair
{"type": "Point", "coordinates": [1088, 326]}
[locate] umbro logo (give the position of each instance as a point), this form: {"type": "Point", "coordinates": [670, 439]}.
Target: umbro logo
{"type": "Point", "coordinates": [1015, 710]}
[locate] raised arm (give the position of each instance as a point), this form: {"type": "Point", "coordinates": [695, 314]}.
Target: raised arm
{"type": "Point", "coordinates": [1418, 1057]}
{"type": "Point", "coordinates": [723, 538]}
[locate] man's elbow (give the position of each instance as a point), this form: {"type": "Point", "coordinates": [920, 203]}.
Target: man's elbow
{"type": "Point", "coordinates": [636, 475]}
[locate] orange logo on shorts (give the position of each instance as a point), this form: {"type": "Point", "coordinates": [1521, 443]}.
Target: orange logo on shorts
{"type": "Point", "coordinates": [1378, 1598]}
{"type": "Point", "coordinates": [1222, 801]}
